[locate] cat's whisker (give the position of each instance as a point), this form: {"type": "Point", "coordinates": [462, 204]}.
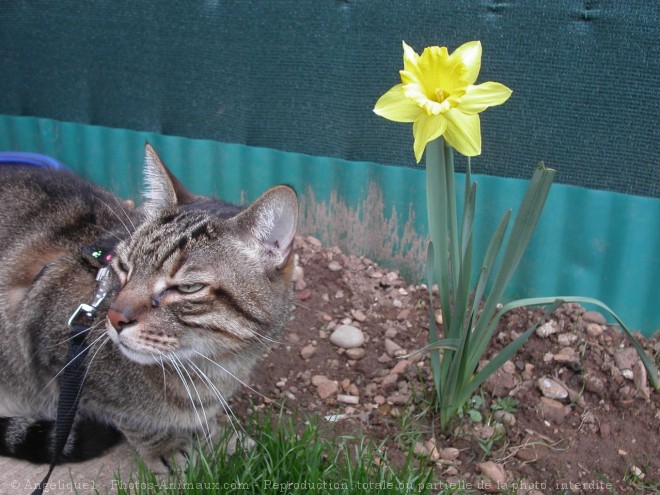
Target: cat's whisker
{"type": "Point", "coordinates": [159, 359]}
{"type": "Point", "coordinates": [128, 231]}
{"type": "Point", "coordinates": [201, 402]}
{"type": "Point", "coordinates": [93, 327]}
{"type": "Point", "coordinates": [74, 358]}
{"type": "Point", "coordinates": [89, 364]}
{"type": "Point", "coordinates": [108, 232]}
{"type": "Point", "coordinates": [223, 403]}
{"type": "Point", "coordinates": [185, 385]}
{"type": "Point", "coordinates": [229, 413]}
{"type": "Point", "coordinates": [238, 379]}
{"type": "Point", "coordinates": [265, 340]}
{"type": "Point", "coordinates": [123, 210]}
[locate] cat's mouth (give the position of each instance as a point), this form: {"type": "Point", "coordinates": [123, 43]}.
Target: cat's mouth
{"type": "Point", "coordinates": [130, 346]}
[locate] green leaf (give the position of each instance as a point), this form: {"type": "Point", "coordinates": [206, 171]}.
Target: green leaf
{"type": "Point", "coordinates": [521, 233]}
{"type": "Point", "coordinates": [505, 354]}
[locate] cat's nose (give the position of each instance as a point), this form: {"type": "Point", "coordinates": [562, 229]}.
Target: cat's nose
{"type": "Point", "coordinates": [118, 319]}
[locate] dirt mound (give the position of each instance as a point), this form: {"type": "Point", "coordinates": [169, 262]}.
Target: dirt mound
{"type": "Point", "coordinates": [573, 410]}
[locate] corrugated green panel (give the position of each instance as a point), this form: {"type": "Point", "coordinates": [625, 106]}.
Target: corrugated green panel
{"type": "Point", "coordinates": [589, 243]}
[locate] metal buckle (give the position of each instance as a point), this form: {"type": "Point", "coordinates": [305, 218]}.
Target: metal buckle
{"type": "Point", "coordinates": [85, 314]}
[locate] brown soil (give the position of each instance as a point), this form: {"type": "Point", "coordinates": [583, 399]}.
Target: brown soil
{"type": "Point", "coordinates": [602, 438]}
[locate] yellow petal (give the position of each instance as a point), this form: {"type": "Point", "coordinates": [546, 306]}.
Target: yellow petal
{"type": "Point", "coordinates": [410, 57]}
{"type": "Point", "coordinates": [478, 98]}
{"type": "Point", "coordinates": [393, 105]}
{"type": "Point", "coordinates": [470, 55]}
{"type": "Point", "coordinates": [463, 132]}
{"type": "Point", "coordinates": [440, 71]}
{"type": "Point", "coordinates": [426, 128]}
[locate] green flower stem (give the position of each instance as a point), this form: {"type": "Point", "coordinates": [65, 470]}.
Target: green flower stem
{"type": "Point", "coordinates": [436, 202]}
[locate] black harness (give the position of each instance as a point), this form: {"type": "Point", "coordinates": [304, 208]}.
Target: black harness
{"type": "Point", "coordinates": [71, 381]}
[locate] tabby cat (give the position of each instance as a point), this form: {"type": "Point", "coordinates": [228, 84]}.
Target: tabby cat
{"type": "Point", "coordinates": [200, 287]}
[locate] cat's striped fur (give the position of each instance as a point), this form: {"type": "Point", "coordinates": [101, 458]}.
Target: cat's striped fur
{"type": "Point", "coordinates": [200, 288]}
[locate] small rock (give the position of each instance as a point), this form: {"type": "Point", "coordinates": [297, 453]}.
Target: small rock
{"type": "Point", "coordinates": [398, 399]}
{"type": "Point", "coordinates": [533, 448]}
{"type": "Point", "coordinates": [594, 384]}
{"type": "Point", "coordinates": [509, 367]}
{"type": "Point", "coordinates": [384, 358]}
{"type": "Point", "coordinates": [551, 389]}
{"type": "Point", "coordinates": [379, 399]}
{"type": "Point", "coordinates": [393, 349]}
{"type": "Point", "coordinates": [500, 383]}
{"type": "Point", "coordinates": [403, 315]}
{"type": "Point", "coordinates": [400, 367]}
{"type": "Point", "coordinates": [358, 315]}
{"type": "Point", "coordinates": [316, 380]}
{"type": "Point", "coordinates": [390, 333]}
{"type": "Point", "coordinates": [308, 351]}
{"type": "Point", "coordinates": [594, 317]}
{"type": "Point", "coordinates": [493, 471]}
{"type": "Point", "coordinates": [628, 374]}
{"type": "Point", "coordinates": [625, 359]}
{"type": "Point", "coordinates": [327, 389]}
{"type": "Point", "coordinates": [313, 241]}
{"type": "Point", "coordinates": [594, 330]}
{"type": "Point", "coordinates": [640, 381]}
{"type": "Point", "coordinates": [297, 274]}
{"type": "Point", "coordinates": [438, 317]}
{"type": "Point", "coordinates": [566, 355]}
{"type": "Point", "coordinates": [547, 329]}
{"type": "Point", "coordinates": [448, 453]}
{"type": "Point", "coordinates": [505, 417]}
{"type": "Point", "coordinates": [355, 353]}
{"type": "Point", "coordinates": [566, 339]}
{"type": "Point", "coordinates": [347, 337]}
{"type": "Point", "coordinates": [376, 274]}
{"type": "Point", "coordinates": [553, 410]}
{"type": "Point", "coordinates": [636, 471]}
{"type": "Point", "coordinates": [304, 294]}
{"type": "Point", "coordinates": [420, 450]}
{"type": "Point", "coordinates": [348, 399]}
{"type": "Point", "coordinates": [334, 266]}
{"type": "Point", "coordinates": [389, 382]}
{"type": "Point", "coordinates": [605, 430]}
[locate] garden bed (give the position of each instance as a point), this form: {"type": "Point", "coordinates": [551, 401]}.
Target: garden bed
{"type": "Point", "coordinates": [572, 411]}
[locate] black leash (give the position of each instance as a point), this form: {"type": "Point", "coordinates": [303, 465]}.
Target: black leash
{"type": "Point", "coordinates": [71, 382]}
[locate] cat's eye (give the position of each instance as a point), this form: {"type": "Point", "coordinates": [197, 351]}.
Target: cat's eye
{"type": "Point", "coordinates": [122, 266]}
{"type": "Point", "coordinates": [189, 288]}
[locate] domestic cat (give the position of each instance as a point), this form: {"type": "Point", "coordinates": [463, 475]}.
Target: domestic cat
{"type": "Point", "coordinates": [200, 287]}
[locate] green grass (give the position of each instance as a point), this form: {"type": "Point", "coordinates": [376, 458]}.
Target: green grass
{"type": "Point", "coordinates": [287, 460]}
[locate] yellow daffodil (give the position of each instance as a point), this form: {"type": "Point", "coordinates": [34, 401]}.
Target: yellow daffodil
{"type": "Point", "coordinates": [438, 95]}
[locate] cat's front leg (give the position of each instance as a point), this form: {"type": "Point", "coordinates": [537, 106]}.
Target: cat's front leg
{"type": "Point", "coordinates": [162, 451]}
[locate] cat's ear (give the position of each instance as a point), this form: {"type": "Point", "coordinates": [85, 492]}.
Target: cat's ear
{"type": "Point", "coordinates": [162, 188]}
{"type": "Point", "coordinates": [272, 220]}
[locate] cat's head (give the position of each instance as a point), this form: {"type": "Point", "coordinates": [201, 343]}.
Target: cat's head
{"type": "Point", "coordinates": [199, 275]}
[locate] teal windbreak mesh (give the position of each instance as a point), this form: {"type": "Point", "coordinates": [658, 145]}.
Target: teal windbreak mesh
{"type": "Point", "coordinates": [303, 76]}
{"type": "Point", "coordinates": [588, 242]}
